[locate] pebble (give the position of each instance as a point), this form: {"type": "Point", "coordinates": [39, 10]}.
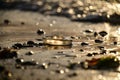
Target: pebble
{"type": "Point", "coordinates": [95, 34]}
{"type": "Point", "coordinates": [81, 50]}
{"type": "Point", "coordinates": [74, 37]}
{"type": "Point", "coordinates": [44, 66]}
{"type": "Point", "coordinates": [29, 63]}
{"type": "Point", "coordinates": [40, 32]}
{"type": "Point", "coordinates": [89, 54]}
{"type": "Point", "coordinates": [115, 43]}
{"type": "Point", "coordinates": [6, 21]}
{"type": "Point", "coordinates": [88, 31]}
{"type": "Point", "coordinates": [113, 51]}
{"type": "Point", "coordinates": [30, 42]}
{"type": "Point", "coordinates": [95, 53]}
{"type": "Point", "coordinates": [73, 74]}
{"type": "Point", "coordinates": [22, 23]}
{"type": "Point", "coordinates": [19, 60]}
{"type": "Point", "coordinates": [103, 33]}
{"type": "Point", "coordinates": [60, 71]}
{"type": "Point", "coordinates": [98, 41]}
{"type": "Point", "coordinates": [30, 53]}
{"type": "Point", "coordinates": [17, 46]}
{"type": "Point", "coordinates": [84, 44]}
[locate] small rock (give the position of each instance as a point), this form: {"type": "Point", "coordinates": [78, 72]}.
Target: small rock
{"type": "Point", "coordinates": [30, 53]}
{"type": "Point", "coordinates": [29, 63]}
{"type": "Point", "coordinates": [81, 50]}
{"type": "Point", "coordinates": [89, 54]}
{"type": "Point", "coordinates": [115, 43]}
{"type": "Point", "coordinates": [41, 44]}
{"type": "Point", "coordinates": [6, 21]}
{"type": "Point", "coordinates": [74, 37]}
{"type": "Point", "coordinates": [95, 34]}
{"type": "Point", "coordinates": [30, 42]}
{"type": "Point", "coordinates": [17, 46]}
{"type": "Point", "coordinates": [40, 32]}
{"type": "Point", "coordinates": [44, 66]}
{"type": "Point", "coordinates": [98, 41]}
{"type": "Point", "coordinates": [84, 44]}
{"type": "Point", "coordinates": [113, 51]}
{"type": "Point", "coordinates": [22, 23]}
{"type": "Point", "coordinates": [103, 33]}
{"type": "Point", "coordinates": [88, 31]}
{"type": "Point", "coordinates": [19, 60]}
{"type": "Point", "coordinates": [72, 74]}
{"type": "Point", "coordinates": [94, 53]}
{"type": "Point", "coordinates": [60, 71]}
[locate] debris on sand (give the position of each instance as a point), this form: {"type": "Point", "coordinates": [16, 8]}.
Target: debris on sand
{"type": "Point", "coordinates": [109, 62]}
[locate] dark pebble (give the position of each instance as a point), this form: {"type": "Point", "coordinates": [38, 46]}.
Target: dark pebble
{"type": "Point", "coordinates": [30, 53]}
{"type": "Point", "coordinates": [6, 21]}
{"type": "Point", "coordinates": [103, 33]}
{"type": "Point", "coordinates": [40, 32]}
{"type": "Point", "coordinates": [72, 74]}
{"type": "Point", "coordinates": [19, 60]}
{"type": "Point", "coordinates": [88, 31]}
{"type": "Point", "coordinates": [30, 42]}
{"type": "Point", "coordinates": [89, 54]}
{"type": "Point", "coordinates": [113, 52]}
{"type": "Point", "coordinates": [94, 53]}
{"type": "Point", "coordinates": [81, 50]}
{"type": "Point", "coordinates": [115, 43]}
{"type": "Point", "coordinates": [17, 46]}
{"type": "Point", "coordinates": [29, 63]}
{"type": "Point", "coordinates": [41, 44]}
{"type": "Point", "coordinates": [22, 23]}
{"type": "Point", "coordinates": [84, 44]}
{"type": "Point", "coordinates": [95, 34]}
{"type": "Point", "coordinates": [98, 41]}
